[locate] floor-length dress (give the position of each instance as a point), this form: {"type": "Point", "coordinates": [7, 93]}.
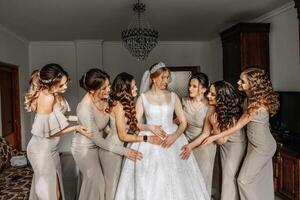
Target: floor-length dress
{"type": "Point", "coordinates": [161, 174]}
{"type": "Point", "coordinates": [86, 151]}
{"type": "Point", "coordinates": [255, 179]}
{"type": "Point", "coordinates": [205, 157]}
{"type": "Point", "coordinates": [42, 152]}
{"type": "Point", "coordinates": [232, 153]}
{"type": "Point", "coordinates": [111, 162]}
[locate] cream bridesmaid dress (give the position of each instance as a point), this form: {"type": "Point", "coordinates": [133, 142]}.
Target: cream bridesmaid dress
{"type": "Point", "coordinates": [86, 151]}
{"type": "Point", "coordinates": [232, 153]}
{"type": "Point", "coordinates": [42, 152]}
{"type": "Point", "coordinates": [111, 162]}
{"type": "Point", "coordinates": [205, 157]}
{"type": "Point", "coordinates": [255, 180]}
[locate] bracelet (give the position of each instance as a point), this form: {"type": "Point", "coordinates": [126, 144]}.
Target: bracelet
{"type": "Point", "coordinates": [145, 138]}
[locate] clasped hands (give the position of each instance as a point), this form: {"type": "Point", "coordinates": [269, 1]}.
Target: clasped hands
{"type": "Point", "coordinates": [160, 137]}
{"type": "Point", "coordinates": [83, 131]}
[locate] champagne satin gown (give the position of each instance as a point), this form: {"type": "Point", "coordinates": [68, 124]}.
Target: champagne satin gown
{"type": "Point", "coordinates": [255, 180]}
{"type": "Point", "coordinates": [111, 162]}
{"type": "Point", "coordinates": [232, 153]}
{"type": "Point", "coordinates": [205, 157]}
{"type": "Point", "coordinates": [86, 151]}
{"type": "Point", "coordinates": [42, 152]}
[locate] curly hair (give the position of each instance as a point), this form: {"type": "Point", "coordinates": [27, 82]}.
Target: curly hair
{"type": "Point", "coordinates": [45, 78]}
{"type": "Point", "coordinates": [33, 92]}
{"type": "Point", "coordinates": [121, 92]}
{"type": "Point", "coordinates": [261, 90]}
{"type": "Point", "coordinates": [229, 104]}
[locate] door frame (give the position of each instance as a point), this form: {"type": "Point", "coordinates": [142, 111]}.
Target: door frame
{"type": "Point", "coordinates": [192, 69]}
{"type": "Point", "coordinates": [14, 138]}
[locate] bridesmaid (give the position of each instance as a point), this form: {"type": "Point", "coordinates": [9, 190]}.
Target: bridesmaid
{"type": "Point", "coordinates": [92, 113]}
{"type": "Point", "coordinates": [195, 108]}
{"type": "Point", "coordinates": [227, 110]}
{"type": "Point", "coordinates": [123, 124]}
{"type": "Point", "coordinates": [255, 180]}
{"type": "Point", "coordinates": [44, 97]}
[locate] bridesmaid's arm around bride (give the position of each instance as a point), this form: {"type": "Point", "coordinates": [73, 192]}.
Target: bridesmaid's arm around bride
{"type": "Point", "coordinates": [187, 149]}
{"type": "Point", "coordinates": [119, 114]}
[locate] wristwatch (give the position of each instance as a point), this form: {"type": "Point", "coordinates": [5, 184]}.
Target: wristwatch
{"type": "Point", "coordinates": [145, 138]}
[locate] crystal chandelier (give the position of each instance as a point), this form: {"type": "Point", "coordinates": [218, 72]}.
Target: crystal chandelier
{"type": "Point", "coordinates": [139, 38]}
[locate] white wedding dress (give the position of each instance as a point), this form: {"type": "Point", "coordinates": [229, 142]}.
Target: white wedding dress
{"type": "Point", "coordinates": [161, 174]}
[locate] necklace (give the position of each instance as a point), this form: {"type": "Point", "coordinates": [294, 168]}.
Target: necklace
{"type": "Point", "coordinates": [196, 104]}
{"type": "Point", "coordinates": [158, 97]}
{"type": "Point", "coordinates": [100, 104]}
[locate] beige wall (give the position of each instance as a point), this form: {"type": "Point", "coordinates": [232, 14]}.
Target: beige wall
{"type": "Point", "coordinates": [284, 47]}
{"type": "Point", "coordinates": [78, 56]}
{"type": "Point", "coordinates": [14, 50]}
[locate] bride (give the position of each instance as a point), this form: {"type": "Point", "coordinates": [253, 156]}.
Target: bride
{"type": "Point", "coordinates": [161, 174]}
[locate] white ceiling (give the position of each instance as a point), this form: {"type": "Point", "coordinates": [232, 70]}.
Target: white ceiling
{"type": "Point", "coordinates": [37, 20]}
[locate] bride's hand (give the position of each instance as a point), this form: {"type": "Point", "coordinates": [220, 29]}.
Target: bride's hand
{"type": "Point", "coordinates": [83, 131]}
{"type": "Point", "coordinates": [133, 154]}
{"type": "Point", "coordinates": [186, 152]}
{"type": "Point", "coordinates": [154, 140]}
{"type": "Point", "coordinates": [169, 140]}
{"type": "Point", "coordinates": [157, 130]}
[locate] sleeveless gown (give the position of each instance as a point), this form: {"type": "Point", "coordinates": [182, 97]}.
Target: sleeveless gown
{"type": "Point", "coordinates": [255, 180]}
{"type": "Point", "coordinates": [161, 174]}
{"type": "Point", "coordinates": [232, 153]}
{"type": "Point", "coordinates": [111, 162]}
{"type": "Point", "coordinates": [205, 157]}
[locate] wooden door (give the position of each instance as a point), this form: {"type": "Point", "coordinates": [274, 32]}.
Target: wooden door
{"type": "Point", "coordinates": [10, 106]}
{"type": "Point", "coordinates": [232, 60]}
{"type": "Point", "coordinates": [255, 50]}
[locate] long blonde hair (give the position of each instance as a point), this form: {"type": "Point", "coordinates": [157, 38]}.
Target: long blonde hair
{"type": "Point", "coordinates": [32, 94]}
{"type": "Point", "coordinates": [46, 78]}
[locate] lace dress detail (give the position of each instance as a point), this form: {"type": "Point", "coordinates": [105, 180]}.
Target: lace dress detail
{"type": "Point", "coordinates": [161, 174]}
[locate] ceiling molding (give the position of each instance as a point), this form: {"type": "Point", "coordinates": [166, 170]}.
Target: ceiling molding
{"type": "Point", "coordinates": [6, 30]}
{"type": "Point", "coordinates": [84, 21]}
{"type": "Point", "coordinates": [89, 42]}
{"type": "Point", "coordinates": [52, 43]}
{"type": "Point", "coordinates": [275, 12]}
{"type": "Point", "coordinates": [267, 15]}
{"type": "Point", "coordinates": [161, 42]}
